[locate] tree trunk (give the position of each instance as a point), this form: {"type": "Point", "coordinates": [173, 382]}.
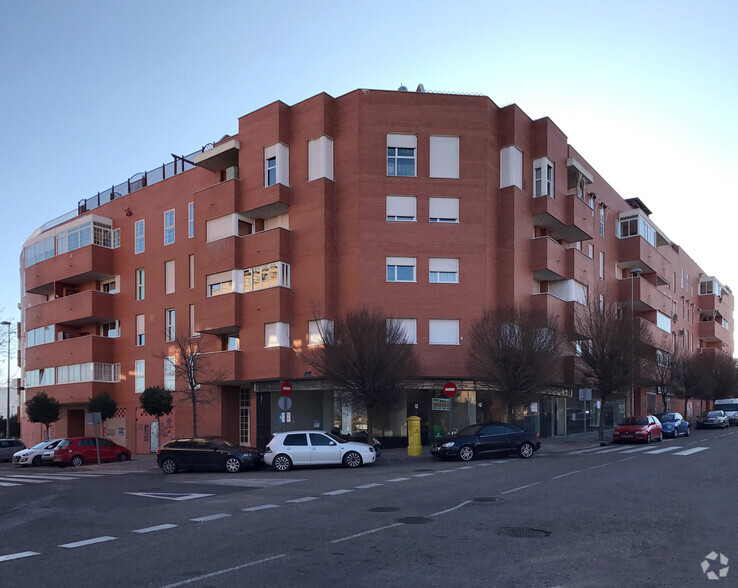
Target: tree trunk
{"type": "Point", "coordinates": [47, 431]}
{"type": "Point", "coordinates": [601, 424]}
{"type": "Point", "coordinates": [158, 432]}
{"type": "Point", "coordinates": [194, 415]}
{"type": "Point", "coordinates": [369, 427]}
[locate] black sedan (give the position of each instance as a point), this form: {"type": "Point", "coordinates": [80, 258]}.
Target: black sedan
{"type": "Point", "coordinates": [486, 439]}
{"type": "Point", "coordinates": [206, 453]}
{"type": "Point", "coordinates": [713, 419]}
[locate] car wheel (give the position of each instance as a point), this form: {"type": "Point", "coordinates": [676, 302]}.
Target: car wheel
{"type": "Point", "coordinates": [648, 439]}
{"type": "Point", "coordinates": [466, 453]}
{"type": "Point", "coordinates": [661, 436]}
{"type": "Point", "coordinates": [36, 460]}
{"type": "Point", "coordinates": [169, 466]}
{"type": "Point", "coordinates": [352, 460]}
{"type": "Point", "coordinates": [282, 463]}
{"type": "Point", "coordinates": [121, 457]}
{"type": "Point", "coordinates": [686, 433]}
{"type": "Point", "coordinates": [76, 461]}
{"type": "Point", "coordinates": [233, 465]}
{"type": "Point", "coordinates": [526, 450]}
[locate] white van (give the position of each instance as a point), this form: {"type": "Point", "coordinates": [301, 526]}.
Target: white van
{"type": "Point", "coordinates": [730, 407]}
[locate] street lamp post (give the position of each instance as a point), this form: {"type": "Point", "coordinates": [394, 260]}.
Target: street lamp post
{"type": "Point", "coordinates": [636, 271]}
{"type": "Point", "coordinates": [7, 414]}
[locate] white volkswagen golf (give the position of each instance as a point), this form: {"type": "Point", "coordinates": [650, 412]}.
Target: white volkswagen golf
{"type": "Point", "coordinates": [301, 448]}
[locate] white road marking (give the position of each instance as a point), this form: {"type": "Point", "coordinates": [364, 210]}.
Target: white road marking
{"type": "Point", "coordinates": [590, 450]}
{"type": "Point", "coordinates": [610, 450]}
{"type": "Point", "coordinates": [247, 482]}
{"type": "Point", "coordinates": [602, 465]}
{"type": "Point", "coordinates": [226, 571]}
{"type": "Point", "coordinates": [8, 484]}
{"type": "Point", "coordinates": [212, 517]}
{"type": "Point", "coordinates": [44, 477]}
{"type": "Point", "coordinates": [366, 533]}
{"type": "Point", "coordinates": [155, 528]}
{"type": "Point", "coordinates": [303, 499]}
{"type": "Point", "coordinates": [637, 449]}
{"type": "Point", "coordinates": [178, 496]}
{"type": "Point", "coordinates": [398, 479]}
{"type": "Point", "coordinates": [422, 475]}
{"type": "Point", "coordinates": [365, 486]}
{"type": "Point", "coordinates": [664, 450]}
{"type": "Point", "coordinates": [451, 509]}
{"type": "Point", "coordinates": [520, 488]}
{"type": "Point", "coordinates": [336, 492]}
{"type": "Point", "coordinates": [564, 475]}
{"type": "Point", "coordinates": [691, 451]}
{"type": "Point", "coordinates": [23, 480]}
{"type": "Point", "coordinates": [445, 471]}
{"type": "Point", "coordinates": [87, 542]}
{"type": "Point", "coordinates": [465, 468]}
{"type": "Point", "coordinates": [261, 507]}
{"type": "Point", "coordinates": [628, 458]}
{"type": "Point", "coordinates": [484, 464]}
{"type": "Point", "coordinates": [19, 555]}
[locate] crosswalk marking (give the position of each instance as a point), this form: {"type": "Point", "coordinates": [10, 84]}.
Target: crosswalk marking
{"type": "Point", "coordinates": [8, 484]}
{"type": "Point", "coordinates": [610, 450]}
{"type": "Point", "coordinates": [637, 449]}
{"type": "Point", "coordinates": [663, 450]}
{"type": "Point", "coordinates": [691, 451]}
{"type": "Point", "coordinates": [23, 480]}
{"type": "Point", "coordinates": [682, 449]}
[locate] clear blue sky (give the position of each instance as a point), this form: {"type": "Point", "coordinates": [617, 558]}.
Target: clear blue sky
{"type": "Point", "coordinates": [94, 92]}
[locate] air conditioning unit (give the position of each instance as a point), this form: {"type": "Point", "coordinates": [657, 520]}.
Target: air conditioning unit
{"type": "Point", "coordinates": [231, 173]}
{"type": "Point", "coordinates": [699, 350]}
{"type": "Point", "coordinates": [675, 317]}
{"type": "Point", "coordinates": [682, 332]}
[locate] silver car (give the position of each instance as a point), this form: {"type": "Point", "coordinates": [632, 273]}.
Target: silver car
{"type": "Point", "coordinates": [34, 455]}
{"type": "Point", "coordinates": [8, 447]}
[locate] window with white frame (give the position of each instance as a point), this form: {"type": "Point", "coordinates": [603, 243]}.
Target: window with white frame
{"type": "Point", "coordinates": [270, 275]}
{"type": "Point", "coordinates": [40, 336]}
{"type": "Point", "coordinates": [318, 329]}
{"type": "Point", "coordinates": [111, 329]}
{"type": "Point", "coordinates": [140, 330]}
{"type": "Point", "coordinates": [543, 178]}
{"type": "Point", "coordinates": [140, 284]}
{"type": "Point", "coordinates": [320, 158]}
{"type": "Point", "coordinates": [169, 324]}
{"type": "Point", "coordinates": [190, 220]}
{"type": "Point", "coordinates": [401, 159]}
{"type": "Point", "coordinates": [193, 332]}
{"type": "Point", "coordinates": [400, 269]}
{"type": "Point", "coordinates": [401, 208]}
{"type": "Point", "coordinates": [220, 283]}
{"type": "Point", "coordinates": [276, 165]}
{"type": "Point", "coordinates": [270, 171]}
{"type": "Point", "coordinates": [140, 237]}
{"type": "Point", "coordinates": [169, 227]}
{"type": "Point", "coordinates": [443, 331]}
{"type": "Point", "coordinates": [170, 374]}
{"type": "Point", "coordinates": [409, 328]}
{"type": "Point", "coordinates": [602, 265]}
{"type": "Point", "coordinates": [277, 334]}
{"type": "Point", "coordinates": [140, 379]}
{"type": "Point", "coordinates": [192, 271]}
{"type": "Point", "coordinates": [443, 210]}
{"type": "Point", "coordinates": [109, 286]}
{"type": "Point", "coordinates": [443, 270]}
{"type": "Point", "coordinates": [602, 220]}
{"type": "Point", "coordinates": [169, 277]}
{"type": "Point", "coordinates": [69, 374]}
{"type": "Point", "coordinates": [444, 157]}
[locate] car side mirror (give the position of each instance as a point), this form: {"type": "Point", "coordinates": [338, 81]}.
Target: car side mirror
{"type": "Point", "coordinates": [333, 443]}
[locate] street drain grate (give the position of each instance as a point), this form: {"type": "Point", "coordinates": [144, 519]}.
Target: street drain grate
{"type": "Point", "coordinates": [384, 509]}
{"type": "Point", "coordinates": [522, 532]}
{"type": "Point", "coordinates": [414, 520]}
{"type": "Point", "coordinates": [486, 499]}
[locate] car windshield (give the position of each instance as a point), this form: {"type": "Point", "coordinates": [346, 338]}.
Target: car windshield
{"type": "Point", "coordinates": [730, 407]}
{"type": "Point", "coordinates": [41, 445]}
{"type": "Point", "coordinates": [635, 421]}
{"type": "Point", "coordinates": [336, 438]}
{"type": "Point", "coordinates": [470, 430]}
{"type": "Point", "coordinates": [715, 413]}
{"type": "Point", "coordinates": [668, 418]}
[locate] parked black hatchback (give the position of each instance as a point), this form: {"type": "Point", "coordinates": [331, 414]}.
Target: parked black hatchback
{"type": "Point", "coordinates": [206, 453]}
{"type": "Point", "coordinates": [487, 439]}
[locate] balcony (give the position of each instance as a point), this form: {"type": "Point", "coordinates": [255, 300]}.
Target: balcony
{"type": "Point", "coordinates": [220, 157]}
{"type": "Point", "coordinates": [564, 312]}
{"type": "Point", "coordinates": [80, 266]}
{"type": "Point", "coordinates": [219, 199]}
{"type": "Point", "coordinates": [263, 247]}
{"type": "Point", "coordinates": [219, 314]}
{"type": "Point", "coordinates": [659, 338]}
{"type": "Point", "coordinates": [636, 252]}
{"type": "Point", "coordinates": [278, 193]}
{"type": "Point", "coordinates": [566, 218]}
{"type": "Point", "coordinates": [222, 367]}
{"type": "Point", "coordinates": [713, 331]}
{"type": "Point", "coordinates": [723, 305]}
{"type": "Point", "coordinates": [550, 262]}
{"type": "Point", "coordinates": [74, 393]}
{"type": "Point", "coordinates": [90, 306]}
{"type": "Point", "coordinates": [84, 349]}
{"type": "Point", "coordinates": [645, 296]}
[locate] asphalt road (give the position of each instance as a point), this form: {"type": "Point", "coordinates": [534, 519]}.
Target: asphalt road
{"type": "Point", "coordinates": [617, 515]}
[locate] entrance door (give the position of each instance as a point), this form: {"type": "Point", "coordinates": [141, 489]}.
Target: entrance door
{"type": "Point", "coordinates": [263, 418]}
{"type": "Point", "coordinates": [75, 423]}
{"type": "Point", "coordinates": [154, 437]}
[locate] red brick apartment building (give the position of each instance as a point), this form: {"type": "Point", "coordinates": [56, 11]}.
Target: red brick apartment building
{"type": "Point", "coordinates": [427, 206]}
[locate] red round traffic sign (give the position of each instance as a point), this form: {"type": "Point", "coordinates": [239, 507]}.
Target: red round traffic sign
{"type": "Point", "coordinates": [449, 389]}
{"type": "Point", "coordinates": [286, 388]}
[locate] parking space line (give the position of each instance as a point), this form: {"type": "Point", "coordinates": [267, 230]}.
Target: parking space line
{"type": "Point", "coordinates": [19, 555]}
{"type": "Point", "coordinates": [336, 492]}
{"type": "Point", "coordinates": [520, 488]}
{"type": "Point", "coordinates": [602, 465]}
{"type": "Point", "coordinates": [365, 486]}
{"type": "Point", "coordinates": [564, 475]}
{"type": "Point", "coordinates": [366, 533]}
{"type": "Point", "coordinates": [226, 571]}
{"type": "Point", "coordinates": [398, 479]}
{"type": "Point", "coordinates": [260, 507]}
{"type": "Point", "coordinates": [303, 499]}
{"type": "Point", "coordinates": [76, 544]}
{"type": "Point", "coordinates": [691, 451]}
{"type": "Point", "coordinates": [155, 528]}
{"type": "Point", "coordinates": [628, 458]}
{"type": "Point", "coordinates": [212, 517]}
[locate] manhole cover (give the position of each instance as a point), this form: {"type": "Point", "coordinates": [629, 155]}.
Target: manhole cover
{"type": "Point", "coordinates": [414, 520]}
{"type": "Point", "coordinates": [522, 532]}
{"type": "Point", "coordinates": [384, 509]}
{"type": "Point", "coordinates": [486, 499]}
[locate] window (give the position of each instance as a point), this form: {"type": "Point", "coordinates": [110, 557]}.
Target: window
{"type": "Point", "coordinates": [409, 327]}
{"type": "Point", "coordinates": [602, 265]}
{"type": "Point", "coordinates": [602, 220]}
{"type": "Point", "coordinates": [443, 332]}
{"type": "Point", "coordinates": [277, 334]}
{"type": "Point", "coordinates": [632, 227]}
{"type": "Point", "coordinates": [140, 380]}
{"type": "Point", "coordinates": [192, 271]}
{"type": "Point", "coordinates": [232, 342]}
{"type": "Point", "coordinates": [169, 324]}
{"type": "Point", "coordinates": [169, 227]}
{"type": "Point", "coordinates": [443, 210]}
{"type": "Point", "coordinates": [511, 167]}
{"type": "Point", "coordinates": [109, 286]}
{"type": "Point", "coordinates": [295, 440]}
{"type": "Point", "coordinates": [190, 220]}
{"type": "Point", "coordinates": [400, 269]}
{"type": "Point", "coordinates": [320, 158]}
{"type": "Point", "coordinates": [140, 330]}
{"type": "Point", "coordinates": [271, 171]}
{"type": "Point", "coordinates": [320, 440]}
{"type": "Point", "coordinates": [266, 276]}
{"type": "Point", "coordinates": [401, 155]}
{"type": "Point", "coordinates": [89, 233]}
{"type": "Point", "coordinates": [169, 373]}
{"type": "Point", "coordinates": [443, 270]}
{"type": "Point", "coordinates": [111, 329]}
{"type": "Point", "coordinates": [169, 277]}
{"type": "Point", "coordinates": [140, 238]}
{"type": "Point", "coordinates": [40, 336]}
{"type": "Point", "coordinates": [140, 284]}
{"type": "Point", "coordinates": [401, 208]}
{"type": "Point", "coordinates": [444, 157]}
{"type": "Point", "coordinates": [193, 332]}
{"type": "Point", "coordinates": [590, 248]}
{"type": "Point", "coordinates": [543, 178]}
{"type": "Point", "coordinates": [317, 329]}
{"type": "Point", "coordinates": [224, 287]}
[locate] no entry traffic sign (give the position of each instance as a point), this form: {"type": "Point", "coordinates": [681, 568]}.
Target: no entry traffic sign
{"type": "Point", "coordinates": [286, 388]}
{"type": "Point", "coordinates": [449, 389]}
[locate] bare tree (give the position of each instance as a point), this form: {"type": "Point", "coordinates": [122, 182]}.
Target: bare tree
{"type": "Point", "coordinates": [185, 357]}
{"type": "Point", "coordinates": [694, 378]}
{"type": "Point", "coordinates": [367, 358]}
{"type": "Point", "coordinates": [663, 375]}
{"type": "Point", "coordinates": [612, 347]}
{"type": "Point", "coordinates": [517, 351]}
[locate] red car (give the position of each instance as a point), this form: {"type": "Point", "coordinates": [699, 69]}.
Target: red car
{"type": "Point", "coordinates": [638, 428]}
{"type": "Point", "coordinates": [75, 451]}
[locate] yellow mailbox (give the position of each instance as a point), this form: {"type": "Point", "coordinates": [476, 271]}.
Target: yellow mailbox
{"type": "Point", "coordinates": [413, 436]}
